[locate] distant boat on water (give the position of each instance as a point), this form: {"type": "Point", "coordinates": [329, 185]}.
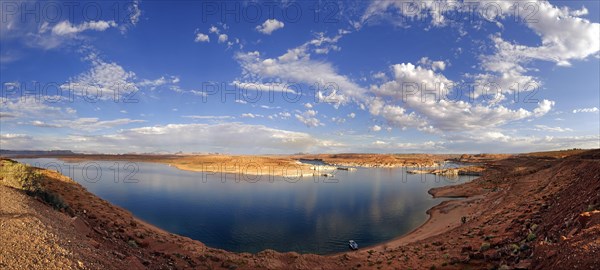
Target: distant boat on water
{"type": "Point", "coordinates": [353, 245]}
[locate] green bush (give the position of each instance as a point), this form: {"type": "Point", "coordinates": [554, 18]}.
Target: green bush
{"type": "Point", "coordinates": [23, 177]}
{"type": "Point", "coordinates": [515, 248]}
{"type": "Point", "coordinates": [533, 227]}
{"type": "Point", "coordinates": [484, 246]}
{"type": "Point", "coordinates": [53, 199]}
{"type": "Point", "coordinates": [20, 176]}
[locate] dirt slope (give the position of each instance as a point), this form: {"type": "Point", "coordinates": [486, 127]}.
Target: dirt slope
{"type": "Point", "coordinates": [532, 213]}
{"type": "Point", "coordinates": [35, 236]}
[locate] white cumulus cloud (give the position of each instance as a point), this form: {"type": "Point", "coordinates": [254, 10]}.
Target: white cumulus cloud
{"type": "Point", "coordinates": [200, 37]}
{"type": "Point", "coordinates": [223, 38]}
{"type": "Point", "coordinates": [269, 26]}
{"type": "Point", "coordinates": [586, 110]}
{"type": "Point", "coordinates": [375, 128]}
{"type": "Point", "coordinates": [66, 28]}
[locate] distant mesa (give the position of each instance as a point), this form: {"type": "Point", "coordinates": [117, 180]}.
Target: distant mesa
{"type": "Point", "coordinates": [14, 153]}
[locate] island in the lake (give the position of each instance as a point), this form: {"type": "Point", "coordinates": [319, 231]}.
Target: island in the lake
{"type": "Point", "coordinates": [525, 211]}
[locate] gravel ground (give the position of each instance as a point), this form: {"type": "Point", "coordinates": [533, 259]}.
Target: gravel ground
{"type": "Point", "coordinates": [34, 236]}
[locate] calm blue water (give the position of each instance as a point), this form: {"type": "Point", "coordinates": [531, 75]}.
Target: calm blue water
{"type": "Point", "coordinates": [316, 215]}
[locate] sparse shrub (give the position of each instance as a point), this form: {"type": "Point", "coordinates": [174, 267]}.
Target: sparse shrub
{"type": "Point", "coordinates": [531, 237]}
{"type": "Point", "coordinates": [20, 176]}
{"type": "Point", "coordinates": [484, 246]}
{"type": "Point", "coordinates": [52, 199]}
{"type": "Point", "coordinates": [132, 243]}
{"type": "Point", "coordinates": [26, 178]}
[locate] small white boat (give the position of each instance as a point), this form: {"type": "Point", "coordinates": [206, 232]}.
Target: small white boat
{"type": "Point", "coordinates": [353, 245]}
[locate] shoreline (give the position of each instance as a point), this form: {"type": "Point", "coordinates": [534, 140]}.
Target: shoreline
{"type": "Point", "coordinates": [264, 164]}
{"type": "Point", "coordinates": [441, 217]}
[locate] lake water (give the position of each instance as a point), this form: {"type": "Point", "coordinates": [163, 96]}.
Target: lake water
{"type": "Point", "coordinates": [306, 215]}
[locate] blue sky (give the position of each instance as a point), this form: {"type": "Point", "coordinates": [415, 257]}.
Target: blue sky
{"type": "Point", "coordinates": [285, 77]}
